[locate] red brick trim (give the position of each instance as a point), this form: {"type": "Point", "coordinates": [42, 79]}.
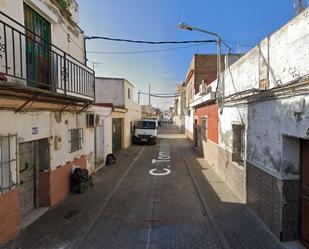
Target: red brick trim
{"type": "Point", "coordinates": [9, 215]}
{"type": "Point", "coordinates": [54, 186]}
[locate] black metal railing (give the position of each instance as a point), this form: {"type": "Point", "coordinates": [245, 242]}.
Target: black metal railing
{"type": "Point", "coordinates": [26, 58]}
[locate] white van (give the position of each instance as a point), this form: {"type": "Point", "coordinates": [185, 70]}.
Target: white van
{"type": "Point", "coordinates": [145, 131]}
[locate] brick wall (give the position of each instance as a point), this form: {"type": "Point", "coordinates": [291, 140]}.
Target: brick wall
{"type": "Point", "coordinates": [54, 186]}
{"type": "Point", "coordinates": [9, 215]}
{"type": "Point", "coordinates": [60, 180]}
{"type": "Point", "coordinates": [44, 189]}
{"type": "Point", "coordinates": [211, 111]}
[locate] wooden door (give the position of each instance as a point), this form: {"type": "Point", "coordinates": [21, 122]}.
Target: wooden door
{"type": "Point", "coordinates": [195, 133]}
{"type": "Point", "coordinates": [37, 49]}
{"type": "Point", "coordinates": [304, 191]}
{"type": "Point", "coordinates": [27, 177]}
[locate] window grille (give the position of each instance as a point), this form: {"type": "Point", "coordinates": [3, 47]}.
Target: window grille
{"type": "Point", "coordinates": [8, 176]}
{"type": "Point", "coordinates": [238, 154]}
{"type": "Point", "coordinates": [76, 141]}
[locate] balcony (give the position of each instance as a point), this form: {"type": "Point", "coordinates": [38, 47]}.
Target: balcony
{"type": "Point", "coordinates": [28, 62]}
{"type": "Point", "coordinates": [205, 98]}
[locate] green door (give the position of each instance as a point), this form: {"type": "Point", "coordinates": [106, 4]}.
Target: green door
{"type": "Point", "coordinates": [117, 137]}
{"type": "Point", "coordinates": [37, 49]}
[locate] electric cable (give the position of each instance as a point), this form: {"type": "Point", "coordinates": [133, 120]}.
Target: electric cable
{"type": "Point", "coordinates": [146, 42]}
{"type": "Point", "coordinates": [142, 51]}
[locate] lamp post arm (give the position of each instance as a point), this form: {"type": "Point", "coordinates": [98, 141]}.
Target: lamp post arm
{"type": "Point", "coordinates": [207, 32]}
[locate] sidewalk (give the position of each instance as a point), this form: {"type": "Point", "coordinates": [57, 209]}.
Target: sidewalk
{"type": "Point", "coordinates": [65, 225]}
{"type": "Point", "coordinates": [238, 225]}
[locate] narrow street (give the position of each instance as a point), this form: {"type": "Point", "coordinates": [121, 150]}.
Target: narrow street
{"type": "Point", "coordinates": [151, 198]}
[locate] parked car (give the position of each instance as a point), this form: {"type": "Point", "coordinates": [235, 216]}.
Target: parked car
{"type": "Point", "coordinates": [145, 131]}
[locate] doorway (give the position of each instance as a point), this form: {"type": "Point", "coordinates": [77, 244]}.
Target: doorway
{"type": "Point", "coordinates": [33, 157]}
{"type": "Point", "coordinates": [117, 134]}
{"type": "Point", "coordinates": [195, 133]}
{"type": "Point", "coordinates": [99, 146]}
{"type": "Point", "coordinates": [304, 194]}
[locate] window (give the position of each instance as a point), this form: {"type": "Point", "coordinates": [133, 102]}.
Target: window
{"type": "Point", "coordinates": [145, 125]}
{"type": "Point", "coordinates": [129, 93]}
{"type": "Point", "coordinates": [204, 128]}
{"type": "Point", "coordinates": [238, 154]}
{"type": "Point", "coordinates": [7, 145]}
{"type": "Point", "coordinates": [76, 139]}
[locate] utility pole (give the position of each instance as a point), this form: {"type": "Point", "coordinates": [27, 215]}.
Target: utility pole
{"type": "Point", "coordinates": [94, 63]}
{"type": "Point", "coordinates": [298, 6]}
{"type": "Point", "coordinates": [149, 103]}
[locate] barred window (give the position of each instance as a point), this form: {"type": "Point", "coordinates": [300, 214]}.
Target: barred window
{"type": "Point", "coordinates": [204, 128]}
{"type": "Point", "coordinates": [76, 141]}
{"type": "Point", "coordinates": [7, 162]}
{"type": "Point", "coordinates": [238, 154]}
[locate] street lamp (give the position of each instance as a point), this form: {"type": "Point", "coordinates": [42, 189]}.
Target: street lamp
{"type": "Point", "coordinates": [185, 26]}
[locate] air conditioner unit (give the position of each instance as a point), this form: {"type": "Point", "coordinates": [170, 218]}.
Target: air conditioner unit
{"type": "Point", "coordinates": [90, 120]}
{"type": "Point", "coordinates": [98, 120]}
{"type": "Point", "coordinates": [202, 88]}
{"type": "Point", "coordinates": [208, 89]}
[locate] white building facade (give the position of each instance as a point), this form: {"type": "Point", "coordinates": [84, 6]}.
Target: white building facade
{"type": "Point", "coordinates": [43, 130]}
{"type": "Point", "coordinates": [118, 93]}
{"type": "Point", "coordinates": [263, 129]}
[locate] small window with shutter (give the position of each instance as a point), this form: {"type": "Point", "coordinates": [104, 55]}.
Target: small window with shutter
{"type": "Point", "coordinates": [238, 154]}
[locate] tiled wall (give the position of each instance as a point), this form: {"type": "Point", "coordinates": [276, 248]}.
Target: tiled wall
{"type": "Point", "coordinates": [276, 202]}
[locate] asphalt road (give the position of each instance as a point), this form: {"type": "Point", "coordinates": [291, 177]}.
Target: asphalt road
{"type": "Point", "coordinates": [156, 205]}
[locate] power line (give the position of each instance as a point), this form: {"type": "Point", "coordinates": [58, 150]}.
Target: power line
{"type": "Point", "coordinates": [237, 43]}
{"type": "Point", "coordinates": [142, 51]}
{"type": "Point", "coordinates": [146, 42]}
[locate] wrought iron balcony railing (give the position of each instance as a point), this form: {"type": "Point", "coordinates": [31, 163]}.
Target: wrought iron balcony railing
{"type": "Point", "coordinates": [30, 60]}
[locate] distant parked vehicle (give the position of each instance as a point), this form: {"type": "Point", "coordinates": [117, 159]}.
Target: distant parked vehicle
{"type": "Point", "coordinates": [145, 131]}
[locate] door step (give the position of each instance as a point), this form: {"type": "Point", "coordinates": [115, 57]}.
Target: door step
{"type": "Point", "coordinates": [293, 245]}
{"type": "Point", "coordinates": [32, 216]}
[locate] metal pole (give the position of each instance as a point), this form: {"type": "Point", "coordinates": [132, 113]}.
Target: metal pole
{"type": "Point", "coordinates": [85, 50]}
{"type": "Point", "coordinates": [149, 101]}
{"type": "Point", "coordinates": [139, 96]}
{"type": "Point", "coordinates": [220, 82]}
{"type": "Point", "coordinates": [300, 6]}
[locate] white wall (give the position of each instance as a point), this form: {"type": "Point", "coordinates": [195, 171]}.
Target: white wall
{"type": "Point", "coordinates": [110, 90]}
{"type": "Point", "coordinates": [104, 132]}
{"type": "Point", "coordinates": [48, 127]}
{"type": "Point", "coordinates": [71, 121]}
{"type": "Point", "coordinates": [279, 58]}
{"type": "Point", "coordinates": [61, 28]}
{"type": "Point", "coordinates": [273, 126]}
{"type": "Point", "coordinates": [189, 121]}
{"type": "Point", "coordinates": [272, 135]}
{"type": "Point", "coordinates": [134, 113]}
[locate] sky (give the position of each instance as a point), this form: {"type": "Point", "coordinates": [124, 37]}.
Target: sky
{"type": "Point", "coordinates": [238, 21]}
